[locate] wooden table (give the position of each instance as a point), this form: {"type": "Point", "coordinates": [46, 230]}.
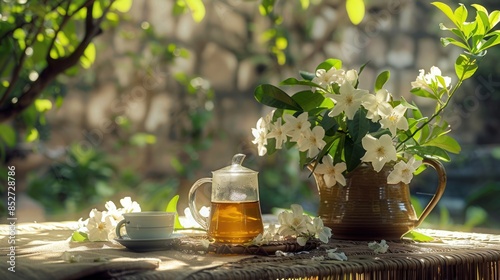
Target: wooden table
{"type": "Point", "coordinates": [39, 250]}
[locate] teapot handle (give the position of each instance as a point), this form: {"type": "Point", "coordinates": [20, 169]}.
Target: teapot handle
{"type": "Point", "coordinates": [192, 205]}
{"type": "Point", "coordinates": [439, 191]}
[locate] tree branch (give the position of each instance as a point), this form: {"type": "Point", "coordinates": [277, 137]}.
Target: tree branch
{"type": "Point", "coordinates": [58, 66]}
{"type": "Point", "coordinates": [17, 69]}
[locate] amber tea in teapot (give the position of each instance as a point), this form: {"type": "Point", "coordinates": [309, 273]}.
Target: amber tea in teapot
{"type": "Point", "coordinates": [235, 215]}
{"type": "Point", "coordinates": [235, 222]}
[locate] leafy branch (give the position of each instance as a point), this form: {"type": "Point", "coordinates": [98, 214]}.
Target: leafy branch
{"type": "Point", "coordinates": [29, 29]}
{"type": "Point", "coordinates": [475, 38]}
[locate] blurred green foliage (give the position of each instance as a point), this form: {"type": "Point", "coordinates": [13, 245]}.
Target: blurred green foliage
{"type": "Point", "coordinates": [81, 178]}
{"type": "Point", "coordinates": [281, 187]}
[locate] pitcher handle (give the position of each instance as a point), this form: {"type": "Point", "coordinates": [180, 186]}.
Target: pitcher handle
{"type": "Point", "coordinates": [439, 191]}
{"type": "Point", "coordinates": [192, 204]}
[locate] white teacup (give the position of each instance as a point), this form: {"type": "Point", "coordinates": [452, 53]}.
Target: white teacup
{"type": "Point", "coordinates": [147, 225]}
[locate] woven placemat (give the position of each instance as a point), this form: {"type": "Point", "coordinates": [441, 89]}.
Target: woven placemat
{"type": "Point", "coordinates": [195, 244]}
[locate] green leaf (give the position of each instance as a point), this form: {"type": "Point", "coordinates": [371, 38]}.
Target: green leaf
{"type": "Point", "coordinates": [494, 18]}
{"type": "Point", "coordinates": [8, 135]}
{"type": "Point", "coordinates": [88, 57]}
{"type": "Point", "coordinates": [329, 63]}
{"type": "Point", "coordinates": [353, 151]}
{"type": "Point", "coordinates": [423, 93]}
{"type": "Point", "coordinates": [458, 33]}
{"type": "Point", "coordinates": [461, 15]}
{"type": "Point", "coordinates": [464, 67]}
{"type": "Point", "coordinates": [122, 5]}
{"type": "Point", "coordinates": [493, 41]}
{"type": "Point", "coordinates": [446, 10]}
{"type": "Point", "coordinates": [308, 100]}
{"type": "Point", "coordinates": [142, 139]}
{"type": "Point", "coordinates": [32, 135]}
{"type": "Point", "coordinates": [430, 152]}
{"type": "Point", "coordinates": [179, 8]}
{"type": "Point", "coordinates": [172, 207]}
{"type": "Point", "coordinates": [97, 9]}
{"type": "Point", "coordinates": [470, 27]}
{"type": "Point", "coordinates": [445, 41]}
{"type": "Point", "coordinates": [79, 236]}
{"type": "Point", "coordinates": [355, 10]}
{"type": "Point", "coordinates": [358, 127]}
{"type": "Point", "coordinates": [329, 124]}
{"type": "Point", "coordinates": [304, 4]}
{"type": "Point", "coordinates": [445, 142]}
{"type": "Point", "coordinates": [483, 23]}
{"type": "Point", "coordinates": [307, 75]}
{"type": "Point", "coordinates": [43, 105]}
{"type": "Point", "coordinates": [480, 8]}
{"type": "Point", "coordinates": [442, 82]}
{"type": "Point", "coordinates": [112, 17]}
{"type": "Point", "coordinates": [274, 97]}
{"type": "Point", "coordinates": [407, 104]}
{"type": "Point", "coordinates": [197, 9]}
{"type": "Point", "coordinates": [266, 7]}
{"type": "Point", "coordinates": [20, 35]}
{"type": "Point", "coordinates": [419, 237]}
{"type": "Point", "coordinates": [382, 78]}
{"type": "Point", "coordinates": [271, 146]}
{"type": "Point", "coordinates": [294, 81]}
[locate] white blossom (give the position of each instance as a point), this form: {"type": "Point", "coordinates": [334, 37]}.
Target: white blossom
{"type": "Point", "coordinates": [430, 80]}
{"type": "Point", "coordinates": [351, 76]}
{"type": "Point", "coordinates": [403, 171]}
{"type": "Point", "coordinates": [301, 226]}
{"type": "Point", "coordinates": [378, 151]}
{"type": "Point", "coordinates": [277, 131]}
{"type": "Point", "coordinates": [332, 174]}
{"type": "Point", "coordinates": [334, 255]}
{"type": "Point", "coordinates": [319, 230]}
{"type": "Point", "coordinates": [115, 213]}
{"type": "Point", "coordinates": [348, 101]}
{"type": "Point", "coordinates": [293, 223]}
{"type": "Point", "coordinates": [377, 104]}
{"type": "Point", "coordinates": [260, 134]}
{"type": "Point", "coordinates": [100, 226]}
{"type": "Point", "coordinates": [395, 120]}
{"type": "Point", "coordinates": [326, 78]}
{"type": "Point", "coordinates": [379, 247]}
{"type": "Point", "coordinates": [296, 126]}
{"type": "Point", "coordinates": [129, 206]}
{"type": "Point", "coordinates": [312, 141]}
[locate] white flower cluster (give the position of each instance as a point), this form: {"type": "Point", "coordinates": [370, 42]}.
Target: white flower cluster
{"type": "Point", "coordinates": [100, 226]}
{"type": "Point", "coordinates": [297, 225]}
{"type": "Point", "coordinates": [379, 151]}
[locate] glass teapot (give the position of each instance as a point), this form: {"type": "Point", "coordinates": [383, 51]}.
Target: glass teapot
{"type": "Point", "coordinates": [235, 215]}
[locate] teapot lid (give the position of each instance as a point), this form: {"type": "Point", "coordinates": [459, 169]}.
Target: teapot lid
{"type": "Point", "coordinates": [236, 166]}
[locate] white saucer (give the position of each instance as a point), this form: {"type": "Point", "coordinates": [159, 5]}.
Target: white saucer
{"type": "Point", "coordinates": [143, 245]}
